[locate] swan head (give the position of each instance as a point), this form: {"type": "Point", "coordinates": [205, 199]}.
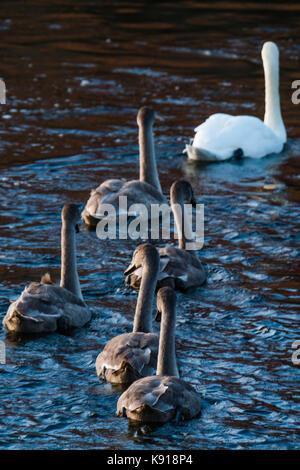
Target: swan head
{"type": "Point", "coordinates": [145, 254]}
{"type": "Point", "coordinates": [70, 214]}
{"type": "Point", "coordinates": [165, 296]}
{"type": "Point", "coordinates": [270, 52]}
{"type": "Point", "coordinates": [145, 116]}
{"type": "Point", "coordinates": [182, 191]}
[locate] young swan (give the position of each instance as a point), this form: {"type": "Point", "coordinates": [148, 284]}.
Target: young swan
{"type": "Point", "coordinates": [130, 356]}
{"type": "Point", "coordinates": [146, 190]}
{"type": "Point", "coordinates": [44, 307]}
{"type": "Point", "coordinates": [164, 396]}
{"type": "Point", "coordinates": [179, 268]}
{"type": "Point", "coordinates": [223, 136]}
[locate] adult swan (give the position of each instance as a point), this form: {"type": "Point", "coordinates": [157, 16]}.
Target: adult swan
{"type": "Point", "coordinates": [223, 136]}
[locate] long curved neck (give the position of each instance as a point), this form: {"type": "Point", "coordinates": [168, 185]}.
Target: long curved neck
{"type": "Point", "coordinates": [273, 118]}
{"type": "Point", "coordinates": [143, 311]}
{"type": "Point", "coordinates": [182, 221]}
{"type": "Point", "coordinates": [69, 276]}
{"type": "Point", "coordinates": [166, 361]}
{"type": "Point", "coordinates": [148, 168]}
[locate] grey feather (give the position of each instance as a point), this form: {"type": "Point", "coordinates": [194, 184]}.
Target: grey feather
{"type": "Point", "coordinates": [128, 357]}
{"type": "Point", "coordinates": [181, 266]}
{"type": "Point", "coordinates": [137, 192]}
{"type": "Point", "coordinates": [159, 399]}
{"type": "Point", "coordinates": [45, 308]}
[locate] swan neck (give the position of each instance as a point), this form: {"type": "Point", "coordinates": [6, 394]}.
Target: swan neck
{"type": "Point", "coordinates": [166, 361]}
{"type": "Point", "coordinates": [148, 168]}
{"type": "Point", "coordinates": [143, 311]}
{"type": "Point", "coordinates": [273, 118]}
{"type": "Point", "coordinates": [69, 276]}
{"type": "Point", "coordinates": [182, 221]}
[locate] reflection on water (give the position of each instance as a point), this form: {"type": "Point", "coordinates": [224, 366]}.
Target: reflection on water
{"type": "Point", "coordinates": [76, 75]}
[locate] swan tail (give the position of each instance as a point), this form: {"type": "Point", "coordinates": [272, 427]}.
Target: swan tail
{"type": "Point", "coordinates": [200, 154]}
{"type": "Point", "coordinates": [203, 155]}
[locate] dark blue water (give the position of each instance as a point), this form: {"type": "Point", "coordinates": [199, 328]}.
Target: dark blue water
{"type": "Point", "coordinates": [76, 74]}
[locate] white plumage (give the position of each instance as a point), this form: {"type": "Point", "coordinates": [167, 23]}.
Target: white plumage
{"type": "Point", "coordinates": [223, 136]}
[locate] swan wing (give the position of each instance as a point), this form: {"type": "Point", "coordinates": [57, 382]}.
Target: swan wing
{"type": "Point", "coordinates": [183, 266]}
{"type": "Point", "coordinates": [45, 308]}
{"type": "Point", "coordinates": [136, 192]}
{"type": "Point", "coordinates": [222, 135]}
{"type": "Point", "coordinates": [101, 195]}
{"type": "Point", "coordinates": [146, 391]}
{"type": "Point", "coordinates": [109, 192]}
{"type": "Point", "coordinates": [159, 398]}
{"type": "Point", "coordinates": [136, 350]}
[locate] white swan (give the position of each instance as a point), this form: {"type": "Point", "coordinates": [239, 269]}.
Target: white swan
{"type": "Point", "coordinates": [130, 356]}
{"type": "Point", "coordinates": [165, 396]}
{"type": "Point", "coordinates": [146, 190]}
{"type": "Point", "coordinates": [44, 307]}
{"type": "Point", "coordinates": [223, 136]}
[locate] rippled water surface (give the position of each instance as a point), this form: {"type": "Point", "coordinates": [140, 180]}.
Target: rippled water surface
{"type": "Point", "coordinates": [76, 74]}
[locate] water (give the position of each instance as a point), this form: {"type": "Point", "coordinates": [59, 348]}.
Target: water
{"type": "Point", "coordinates": [76, 74]}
